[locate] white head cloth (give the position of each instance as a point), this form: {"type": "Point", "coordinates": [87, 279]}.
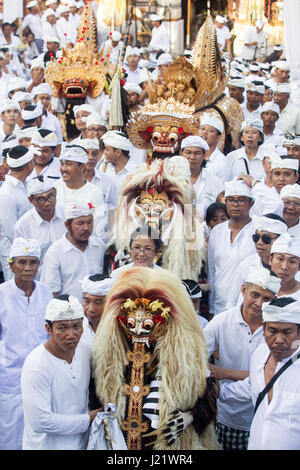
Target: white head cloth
{"type": "Point", "coordinates": [37, 62]}
{"type": "Point", "coordinates": [51, 39]}
{"type": "Point", "coordinates": [133, 87]}
{"type": "Point", "coordinates": [63, 9]}
{"type": "Point", "coordinates": [25, 247]}
{"type": "Point", "coordinates": [74, 154]}
{"type": "Point", "coordinates": [237, 188]}
{"type": "Point", "coordinates": [26, 158]}
{"type": "Point", "coordinates": [20, 96]}
{"type": "Point", "coordinates": [48, 12]}
{"type": "Point", "coordinates": [40, 185]}
{"type": "Point", "coordinates": [253, 87]}
{"type": "Point", "coordinates": [262, 277]}
{"type": "Point", "coordinates": [213, 121]}
{"type": "Point", "coordinates": [116, 36]}
{"type": "Point", "coordinates": [294, 141]}
{"type": "Point", "coordinates": [156, 17]}
{"type": "Point", "coordinates": [270, 106]}
{"type": "Point", "coordinates": [9, 104]}
{"type": "Point", "coordinates": [83, 107]}
{"type": "Point", "coordinates": [132, 51]}
{"type": "Point", "coordinates": [49, 140]}
{"type": "Point", "coordinates": [89, 144]}
{"type": "Point", "coordinates": [281, 88]}
{"type": "Point", "coordinates": [289, 163]}
{"type": "Point", "coordinates": [164, 59]}
{"type": "Point", "coordinates": [8, 144]}
{"type": "Point", "coordinates": [266, 224]}
{"type": "Point", "coordinates": [94, 119]}
{"type": "Point", "coordinates": [253, 122]}
{"type": "Point", "coordinates": [50, 2]}
{"type": "Point", "coordinates": [58, 310]}
{"type": "Point", "coordinates": [286, 244]}
{"type": "Point", "coordinates": [16, 83]}
{"type": "Point", "coordinates": [254, 67]}
{"type": "Point", "coordinates": [194, 141]}
{"type": "Point", "coordinates": [278, 48]}
{"type": "Point", "coordinates": [221, 19]}
{"type": "Point", "coordinates": [23, 133]}
{"type": "Point", "coordinates": [31, 4]}
{"type": "Point", "coordinates": [42, 89]}
{"type": "Point", "coordinates": [290, 190]}
{"type": "Point", "coordinates": [282, 65]}
{"type": "Point", "coordinates": [282, 311]}
{"type": "Point", "coordinates": [102, 287]}
{"type": "Point", "coordinates": [35, 113]}
{"type": "Point", "coordinates": [235, 81]}
{"type": "Point", "coordinates": [74, 209]}
{"type": "Point", "coordinates": [114, 139]}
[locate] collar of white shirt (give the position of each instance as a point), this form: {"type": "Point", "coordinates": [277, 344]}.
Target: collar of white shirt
{"type": "Point", "coordinates": [68, 246]}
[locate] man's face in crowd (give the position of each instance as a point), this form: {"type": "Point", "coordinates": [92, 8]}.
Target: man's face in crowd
{"type": "Point", "coordinates": [283, 176]}
{"type": "Point", "coordinates": [293, 151]}
{"type": "Point", "coordinates": [254, 297]}
{"type": "Point", "coordinates": [26, 141]}
{"type": "Point", "coordinates": [79, 123]}
{"type": "Point", "coordinates": [25, 268]}
{"type": "Point", "coordinates": [93, 306]}
{"type": "Point", "coordinates": [268, 95]}
{"type": "Point", "coordinates": [44, 203]}
{"type": "Point", "coordinates": [133, 60]}
{"type": "Point", "coordinates": [51, 19]}
{"type": "Point", "coordinates": [65, 335]}
{"type": "Point", "coordinates": [285, 266]}
{"type": "Point", "coordinates": [52, 46]}
{"type": "Point", "coordinates": [254, 98]}
{"type": "Point", "coordinates": [238, 206]}
{"type": "Point", "coordinates": [251, 136]}
{"type": "Point", "coordinates": [291, 209]}
{"type": "Point", "coordinates": [281, 98]}
{"type": "Point", "coordinates": [45, 99]}
{"type": "Point", "coordinates": [133, 98]}
{"type": "Point", "coordinates": [282, 75]}
{"type": "Point", "coordinates": [71, 171]}
{"type": "Point", "coordinates": [195, 157]}
{"type": "Point", "coordinates": [81, 228]}
{"type": "Point", "coordinates": [209, 134]}
{"type": "Point", "coordinates": [263, 249]}
{"type": "Point", "coordinates": [111, 154]}
{"type": "Point", "coordinates": [236, 92]}
{"type": "Point", "coordinates": [37, 74]}
{"type": "Point", "coordinates": [282, 339]}
{"type": "Point", "coordinates": [94, 131]}
{"type": "Point", "coordinates": [269, 117]}
{"type": "Point", "coordinates": [43, 155]}
{"type": "Point", "coordinates": [93, 158]}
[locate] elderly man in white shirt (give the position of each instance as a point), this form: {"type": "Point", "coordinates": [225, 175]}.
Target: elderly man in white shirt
{"type": "Point", "coordinates": [117, 162]}
{"type": "Point", "coordinates": [13, 195]}
{"type": "Point", "coordinates": [289, 118]}
{"type": "Point", "coordinates": [76, 254]}
{"type": "Point", "coordinates": [23, 303]}
{"type": "Point", "coordinates": [206, 185]}
{"type": "Point", "coordinates": [95, 289]}
{"type": "Point", "coordinates": [234, 335]}
{"type": "Point", "coordinates": [55, 382]}
{"type": "Point", "coordinates": [45, 221]}
{"type": "Point", "coordinates": [290, 195]}
{"type": "Point", "coordinates": [210, 130]}
{"type": "Point", "coordinates": [248, 159]}
{"type": "Point", "coordinates": [277, 407]}
{"type": "Point", "coordinates": [229, 243]}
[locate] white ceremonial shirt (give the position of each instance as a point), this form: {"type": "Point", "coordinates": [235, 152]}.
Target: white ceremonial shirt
{"type": "Point", "coordinates": [121, 176]}
{"type": "Point", "coordinates": [65, 265]}
{"type": "Point", "coordinates": [34, 22]}
{"type": "Point", "coordinates": [229, 334]}
{"type": "Point", "coordinates": [237, 161]}
{"type": "Point", "coordinates": [219, 165]}
{"type": "Point", "coordinates": [289, 119]}
{"type": "Point", "coordinates": [55, 400]}
{"type": "Point", "coordinates": [51, 122]}
{"type": "Point", "coordinates": [207, 188]}
{"type": "Point", "coordinates": [276, 425]}
{"type": "Point", "coordinates": [31, 225]}
{"type": "Point", "coordinates": [252, 114]}
{"type": "Point", "coordinates": [52, 169]}
{"type": "Point", "coordinates": [267, 200]}
{"type": "Point", "coordinates": [22, 328]}
{"type": "Point", "coordinates": [159, 39]}
{"type": "Point", "coordinates": [88, 334]}
{"type": "Point", "coordinates": [108, 188]}
{"type": "Point", "coordinates": [224, 258]}
{"type": "Point", "coordinates": [251, 35]}
{"type": "Point", "coordinates": [88, 193]}
{"type": "Point", "coordinates": [223, 34]}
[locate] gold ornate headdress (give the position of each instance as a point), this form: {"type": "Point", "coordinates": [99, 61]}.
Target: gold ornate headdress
{"type": "Point", "coordinates": [81, 69]}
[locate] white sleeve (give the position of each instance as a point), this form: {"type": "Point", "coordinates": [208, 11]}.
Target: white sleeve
{"type": "Point", "coordinates": [267, 202]}
{"type": "Point", "coordinates": [50, 274]}
{"type": "Point", "coordinates": [239, 391]}
{"type": "Point", "coordinates": [211, 272]}
{"type": "Point", "coordinates": [36, 394]}
{"type": "Point", "coordinates": [211, 336]}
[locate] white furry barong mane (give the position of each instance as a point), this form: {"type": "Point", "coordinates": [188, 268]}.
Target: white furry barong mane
{"type": "Point", "coordinates": [180, 353]}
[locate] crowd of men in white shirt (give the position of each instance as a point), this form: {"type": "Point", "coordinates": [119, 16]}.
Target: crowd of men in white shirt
{"type": "Point", "coordinates": [57, 202]}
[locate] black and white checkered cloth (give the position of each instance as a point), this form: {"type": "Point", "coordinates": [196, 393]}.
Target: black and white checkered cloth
{"type": "Point", "coordinates": [232, 439]}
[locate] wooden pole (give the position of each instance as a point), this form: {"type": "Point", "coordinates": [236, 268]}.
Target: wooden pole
{"type": "Point", "coordinates": [188, 25]}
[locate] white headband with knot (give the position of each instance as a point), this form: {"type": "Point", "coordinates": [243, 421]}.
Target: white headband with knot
{"type": "Point", "coordinates": [58, 310]}
{"type": "Point", "coordinates": [17, 162]}
{"type": "Point", "coordinates": [116, 140]}
{"type": "Point", "coordinates": [281, 163]}
{"type": "Point", "coordinates": [290, 190]}
{"type": "Point", "coordinates": [262, 223]}
{"type": "Point", "coordinates": [262, 277]}
{"type": "Point", "coordinates": [102, 287]}
{"type": "Point", "coordinates": [75, 209]}
{"type": "Point", "coordinates": [24, 247]}
{"type": "Point", "coordinates": [237, 188]}
{"type": "Point", "coordinates": [289, 313]}
{"type": "Point", "coordinates": [286, 244]}
{"type": "Point", "coordinates": [40, 185]}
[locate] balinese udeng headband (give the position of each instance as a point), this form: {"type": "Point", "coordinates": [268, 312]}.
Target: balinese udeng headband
{"type": "Point", "coordinates": [262, 277]}
{"type": "Point", "coordinates": [290, 190]}
{"type": "Point", "coordinates": [35, 113]}
{"type": "Point", "coordinates": [194, 141]}
{"type": "Point", "coordinates": [282, 310]}
{"type": "Point", "coordinates": [255, 123]}
{"type": "Point", "coordinates": [237, 188]}
{"type": "Point", "coordinates": [253, 87]}
{"type": "Point", "coordinates": [25, 133]}
{"type": "Point", "coordinates": [288, 163]}
{"type": "Point", "coordinates": [212, 121]}
{"type": "Point", "coordinates": [89, 144]}
{"type": "Point", "coordinates": [74, 154]}
{"type": "Point", "coordinates": [40, 184]}
{"type": "Point", "coordinates": [58, 310]}
{"type": "Point", "coordinates": [94, 119]}
{"type": "Point", "coordinates": [102, 287]}
{"type": "Point", "coordinates": [238, 82]}
{"type": "Point", "coordinates": [16, 163]}
{"type": "Point", "coordinates": [262, 223]}
{"type": "Point", "coordinates": [83, 107]}
{"type": "Point", "coordinates": [116, 140]}
{"type": "Point", "coordinates": [286, 244]}
{"type": "Point", "coordinates": [24, 247]}
{"type": "Point", "coordinates": [75, 209]}
{"type": "Point", "coordinates": [50, 140]}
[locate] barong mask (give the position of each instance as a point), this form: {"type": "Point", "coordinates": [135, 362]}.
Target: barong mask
{"type": "Point", "coordinates": [154, 209]}
{"type": "Point", "coordinates": [142, 320]}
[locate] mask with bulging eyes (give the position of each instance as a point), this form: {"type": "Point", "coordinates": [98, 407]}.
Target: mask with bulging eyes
{"type": "Point", "coordinates": [154, 209]}
{"type": "Point", "coordinates": [140, 325]}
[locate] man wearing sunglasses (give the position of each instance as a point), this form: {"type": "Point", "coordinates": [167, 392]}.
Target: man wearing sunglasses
{"type": "Point", "coordinates": [45, 221]}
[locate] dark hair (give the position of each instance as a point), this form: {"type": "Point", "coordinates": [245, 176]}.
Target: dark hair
{"type": "Point", "coordinates": [192, 287]}
{"type": "Point", "coordinates": [5, 24]}
{"type": "Point", "coordinates": [17, 152]}
{"type": "Point", "coordinates": [44, 132]}
{"type": "Point", "coordinates": [98, 277]}
{"type": "Point", "coordinates": [148, 232]}
{"type": "Point", "coordinates": [213, 208]}
{"type": "Point", "coordinates": [30, 122]}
